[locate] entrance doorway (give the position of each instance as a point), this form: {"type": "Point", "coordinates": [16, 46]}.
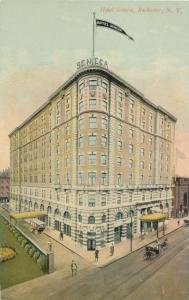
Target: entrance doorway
{"type": "Point", "coordinates": [57, 225]}
{"type": "Point", "coordinates": [117, 234]}
{"type": "Point", "coordinates": [91, 244]}
{"type": "Point", "coordinates": [67, 229]}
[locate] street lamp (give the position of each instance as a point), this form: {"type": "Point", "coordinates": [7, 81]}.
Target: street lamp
{"type": "Point", "coordinates": [131, 227]}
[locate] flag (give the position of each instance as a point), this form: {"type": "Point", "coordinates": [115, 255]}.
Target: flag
{"type": "Point", "coordinates": [180, 154]}
{"type": "Point", "coordinates": [112, 26]}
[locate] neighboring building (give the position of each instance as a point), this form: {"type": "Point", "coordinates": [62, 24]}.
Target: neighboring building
{"type": "Point", "coordinates": [96, 150]}
{"type": "Point", "coordinates": [4, 189]}
{"type": "Point", "coordinates": [181, 200]}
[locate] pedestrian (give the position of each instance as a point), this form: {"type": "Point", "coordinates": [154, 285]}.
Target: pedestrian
{"type": "Point", "coordinates": [112, 249]}
{"type": "Point", "coordinates": [73, 268]}
{"type": "Point", "coordinates": [61, 235]}
{"type": "Point", "coordinates": [178, 222]}
{"type": "Point", "coordinates": [96, 255]}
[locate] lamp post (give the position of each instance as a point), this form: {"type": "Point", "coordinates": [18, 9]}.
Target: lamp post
{"type": "Point", "coordinates": [131, 227]}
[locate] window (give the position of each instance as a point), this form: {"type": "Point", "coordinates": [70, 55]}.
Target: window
{"type": "Point", "coordinates": [131, 133]}
{"type": "Point", "coordinates": [131, 105]}
{"type": "Point", "coordinates": [92, 122]}
{"type": "Point", "coordinates": [119, 216]}
{"type": "Point", "coordinates": [150, 154]}
{"type": "Point", "coordinates": [103, 159]}
{"type": "Point", "coordinates": [91, 200]}
{"type": "Point", "coordinates": [142, 124]}
{"type": "Point", "coordinates": [80, 218]}
{"type": "Point", "coordinates": [81, 159]}
{"type": "Point", "coordinates": [142, 165]}
{"type": "Point", "coordinates": [91, 220]}
{"type": "Point", "coordinates": [143, 196]}
{"type": "Point", "coordinates": [80, 178]}
{"type": "Point", "coordinates": [150, 166]}
{"type": "Point", "coordinates": [119, 179]}
{"type": "Point", "coordinates": [81, 124]}
{"type": "Point", "coordinates": [92, 103]}
{"type": "Point", "coordinates": [104, 219]}
{"type": "Point", "coordinates": [92, 84]}
{"type": "Point", "coordinates": [119, 162]}
{"type": "Point", "coordinates": [104, 141]}
{"type": "Point", "coordinates": [143, 112]}
{"type": "Point", "coordinates": [142, 138]}
{"type": "Point", "coordinates": [81, 105]}
{"type": "Point", "coordinates": [104, 123]}
{"type": "Point", "coordinates": [92, 140]}
{"type": "Point", "coordinates": [130, 178]}
{"type": "Point", "coordinates": [80, 199]}
{"type": "Point", "coordinates": [130, 163]}
{"type": "Point", "coordinates": [119, 129]}
{"type": "Point", "coordinates": [119, 145]}
{"type": "Point", "coordinates": [130, 148]}
{"type": "Point", "coordinates": [58, 164]}
{"type": "Point", "coordinates": [142, 151]}
{"type": "Point", "coordinates": [104, 178]}
{"type": "Point", "coordinates": [92, 178]}
{"type": "Point", "coordinates": [103, 199]}
{"type": "Point", "coordinates": [81, 141]}
{"type": "Point", "coordinates": [92, 159]}
{"type": "Point", "coordinates": [81, 86]}
{"type": "Point", "coordinates": [131, 118]}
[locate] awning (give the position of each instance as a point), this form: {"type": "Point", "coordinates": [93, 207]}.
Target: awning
{"type": "Point", "coordinates": [153, 217]}
{"type": "Point", "coordinates": [28, 215]}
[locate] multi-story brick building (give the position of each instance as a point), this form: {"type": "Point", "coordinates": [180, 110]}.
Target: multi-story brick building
{"type": "Point", "coordinates": [181, 194]}
{"type": "Point", "coordinates": [4, 189]}
{"type": "Point", "coordinates": [95, 152]}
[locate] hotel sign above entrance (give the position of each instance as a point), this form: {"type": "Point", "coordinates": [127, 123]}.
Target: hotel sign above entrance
{"type": "Point", "coordinates": [90, 62]}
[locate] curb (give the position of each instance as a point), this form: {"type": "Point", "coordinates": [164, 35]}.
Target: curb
{"type": "Point", "coordinates": [135, 250]}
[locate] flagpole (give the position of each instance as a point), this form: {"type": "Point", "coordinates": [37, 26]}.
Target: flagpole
{"type": "Point", "coordinates": [93, 54]}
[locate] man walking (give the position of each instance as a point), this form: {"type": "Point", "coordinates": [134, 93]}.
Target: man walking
{"type": "Point", "coordinates": [61, 235]}
{"type": "Point", "coordinates": [73, 268]}
{"type": "Point", "coordinates": [112, 249]}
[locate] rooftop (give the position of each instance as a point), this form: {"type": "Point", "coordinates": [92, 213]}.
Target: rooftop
{"type": "Point", "coordinates": [93, 69]}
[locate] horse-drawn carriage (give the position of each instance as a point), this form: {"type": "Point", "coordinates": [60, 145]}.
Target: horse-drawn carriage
{"type": "Point", "coordinates": [186, 222]}
{"type": "Point", "coordinates": [154, 249]}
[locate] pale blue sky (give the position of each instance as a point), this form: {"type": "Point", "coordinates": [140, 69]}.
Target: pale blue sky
{"type": "Point", "coordinates": [41, 41]}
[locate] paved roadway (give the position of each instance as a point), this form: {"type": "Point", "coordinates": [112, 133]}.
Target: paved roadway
{"type": "Point", "coordinates": [131, 278]}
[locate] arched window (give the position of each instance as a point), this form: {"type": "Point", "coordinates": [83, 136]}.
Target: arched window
{"type": "Point", "coordinates": [49, 210]}
{"type": "Point", "coordinates": [30, 204]}
{"type": "Point", "coordinates": [161, 206]}
{"type": "Point", "coordinates": [42, 207]}
{"type": "Point", "coordinates": [130, 213]}
{"type": "Point", "coordinates": [67, 215]}
{"type": "Point", "coordinates": [57, 212]}
{"type": "Point", "coordinates": [80, 218]}
{"type": "Point", "coordinates": [185, 199]}
{"type": "Point", "coordinates": [104, 219]}
{"type": "Point", "coordinates": [119, 216]}
{"type": "Point", "coordinates": [91, 220]}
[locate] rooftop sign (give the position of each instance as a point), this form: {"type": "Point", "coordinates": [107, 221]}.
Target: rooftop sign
{"type": "Point", "coordinates": [90, 62]}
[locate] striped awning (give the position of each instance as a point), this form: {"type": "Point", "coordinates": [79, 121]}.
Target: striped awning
{"type": "Point", "coordinates": [28, 215]}
{"type": "Point", "coordinates": [153, 217]}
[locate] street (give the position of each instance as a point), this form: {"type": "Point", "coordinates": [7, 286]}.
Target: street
{"type": "Point", "coordinates": [131, 278]}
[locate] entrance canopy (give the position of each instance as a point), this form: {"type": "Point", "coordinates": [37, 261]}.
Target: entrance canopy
{"type": "Point", "coordinates": [28, 215]}
{"type": "Point", "coordinates": [156, 217]}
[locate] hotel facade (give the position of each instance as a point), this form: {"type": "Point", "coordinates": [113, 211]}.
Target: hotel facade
{"type": "Point", "coordinates": [95, 157]}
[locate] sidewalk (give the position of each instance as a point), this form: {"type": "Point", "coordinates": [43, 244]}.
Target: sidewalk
{"type": "Point", "coordinates": [122, 249]}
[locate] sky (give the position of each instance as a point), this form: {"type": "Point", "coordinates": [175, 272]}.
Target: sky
{"type": "Point", "coordinates": [42, 40]}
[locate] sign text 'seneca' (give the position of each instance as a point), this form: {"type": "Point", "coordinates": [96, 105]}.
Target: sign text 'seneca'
{"type": "Point", "coordinates": [90, 62]}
